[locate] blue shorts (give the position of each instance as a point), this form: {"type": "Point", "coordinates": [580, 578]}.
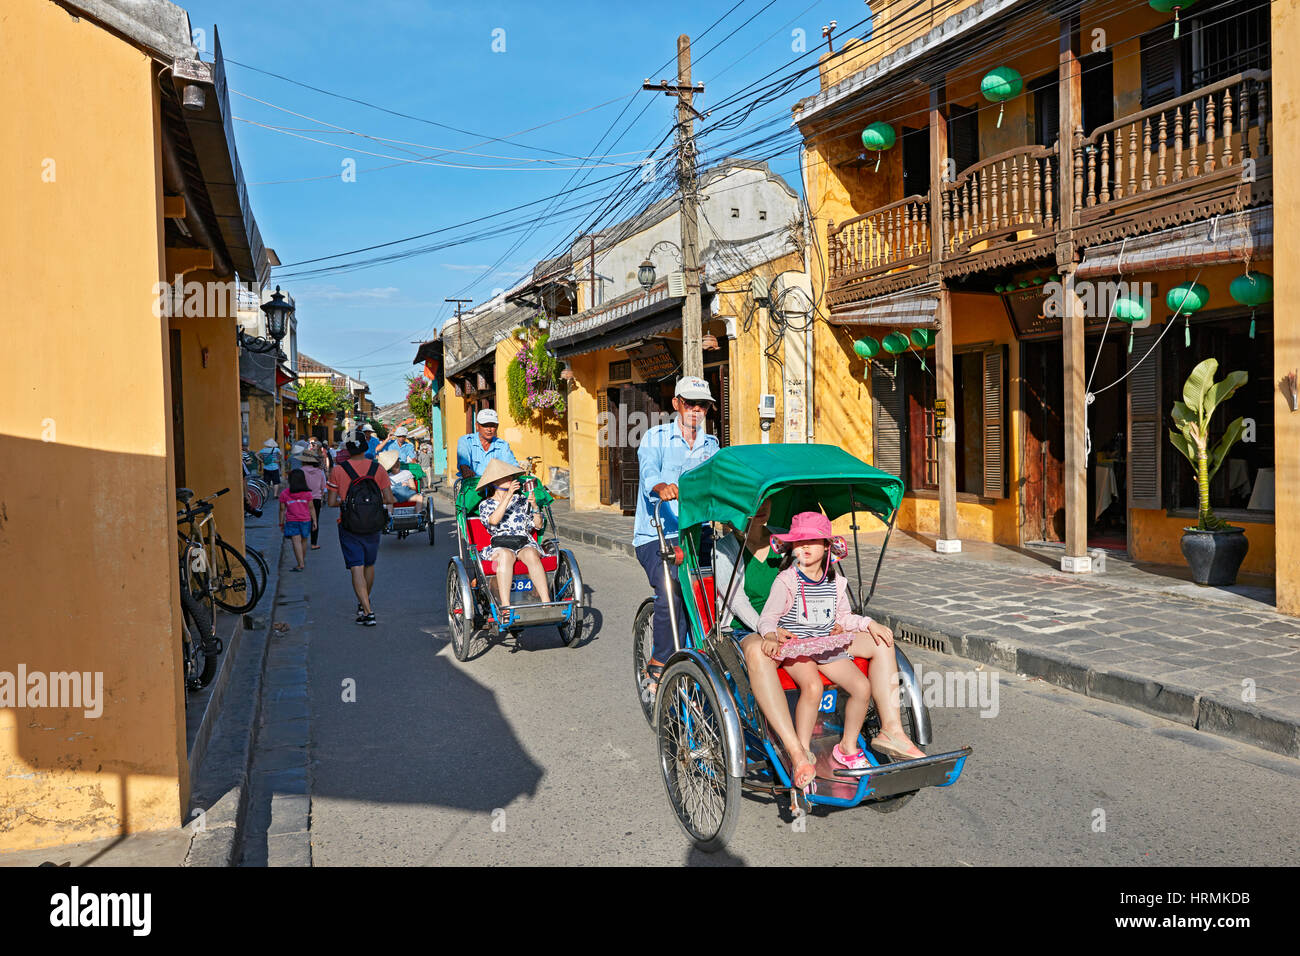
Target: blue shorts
{"type": "Point", "coordinates": [403, 492]}
{"type": "Point", "coordinates": [359, 550]}
{"type": "Point", "coordinates": [293, 529]}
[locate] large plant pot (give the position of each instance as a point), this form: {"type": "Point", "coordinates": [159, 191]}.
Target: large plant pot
{"type": "Point", "coordinates": [1215, 556]}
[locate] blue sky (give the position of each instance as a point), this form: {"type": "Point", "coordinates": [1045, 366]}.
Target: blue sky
{"type": "Point", "coordinates": [437, 63]}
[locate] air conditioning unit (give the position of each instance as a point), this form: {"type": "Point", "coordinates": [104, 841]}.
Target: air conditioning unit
{"type": "Point", "coordinates": [677, 284]}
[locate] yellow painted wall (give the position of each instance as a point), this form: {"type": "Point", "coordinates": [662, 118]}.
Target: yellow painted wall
{"type": "Point", "coordinates": [261, 420]}
{"type": "Point", "coordinates": [1286, 331]}
{"type": "Point", "coordinates": [453, 426]}
{"type": "Point", "coordinates": [584, 447]}
{"type": "Point", "coordinates": [87, 530]}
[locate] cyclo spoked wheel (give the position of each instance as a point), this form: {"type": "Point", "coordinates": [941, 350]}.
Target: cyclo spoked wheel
{"type": "Point", "coordinates": [236, 585]}
{"type": "Point", "coordinates": [643, 642]}
{"type": "Point", "coordinates": [260, 566]}
{"type": "Point", "coordinates": [567, 583]}
{"type": "Point", "coordinates": [200, 664]}
{"type": "Point", "coordinates": [693, 758]}
{"type": "Point", "coordinates": [459, 617]}
{"type": "Point", "coordinates": [872, 727]}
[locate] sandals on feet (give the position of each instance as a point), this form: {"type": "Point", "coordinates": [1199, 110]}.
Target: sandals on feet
{"type": "Point", "coordinates": [895, 747]}
{"type": "Point", "coordinates": [654, 672]}
{"type": "Point", "coordinates": [854, 761]}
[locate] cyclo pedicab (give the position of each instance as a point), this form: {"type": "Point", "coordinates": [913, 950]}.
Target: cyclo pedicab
{"type": "Point", "coordinates": [472, 603]}
{"type": "Point", "coordinates": [712, 737]}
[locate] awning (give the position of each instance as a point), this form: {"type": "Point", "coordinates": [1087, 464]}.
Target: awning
{"type": "Point", "coordinates": [283, 377]}
{"type": "Point", "coordinates": [623, 322]}
{"type": "Point", "coordinates": [918, 306]}
{"type": "Point", "coordinates": [1234, 237]}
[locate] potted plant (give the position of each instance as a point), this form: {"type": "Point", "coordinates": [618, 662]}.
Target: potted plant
{"type": "Point", "coordinates": [1214, 549]}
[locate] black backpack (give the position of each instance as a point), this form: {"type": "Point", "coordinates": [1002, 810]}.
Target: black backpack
{"type": "Point", "coordinates": [363, 509]}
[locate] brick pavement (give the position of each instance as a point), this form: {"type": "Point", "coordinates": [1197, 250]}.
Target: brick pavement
{"type": "Point", "coordinates": [1216, 661]}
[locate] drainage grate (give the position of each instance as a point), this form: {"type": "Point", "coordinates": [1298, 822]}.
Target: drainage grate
{"type": "Point", "coordinates": [914, 635]}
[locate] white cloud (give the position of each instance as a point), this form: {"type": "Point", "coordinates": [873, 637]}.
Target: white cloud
{"type": "Point", "coordinates": [335, 294]}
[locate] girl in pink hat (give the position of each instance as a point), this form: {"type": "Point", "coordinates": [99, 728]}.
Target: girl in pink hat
{"type": "Point", "coordinates": [808, 625]}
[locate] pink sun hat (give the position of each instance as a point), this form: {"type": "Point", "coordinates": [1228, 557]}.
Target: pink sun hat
{"type": "Point", "coordinates": [806, 526]}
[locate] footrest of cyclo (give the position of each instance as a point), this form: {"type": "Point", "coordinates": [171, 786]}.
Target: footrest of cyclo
{"type": "Point", "coordinates": [526, 615]}
{"type": "Point", "coordinates": [904, 776]}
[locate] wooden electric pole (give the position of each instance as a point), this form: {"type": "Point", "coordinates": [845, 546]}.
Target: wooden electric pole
{"type": "Point", "coordinates": [460, 339]}
{"type": "Point", "coordinates": [692, 354]}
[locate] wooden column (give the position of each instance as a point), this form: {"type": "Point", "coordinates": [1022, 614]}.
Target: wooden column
{"type": "Point", "coordinates": [949, 540]}
{"type": "Point", "coordinates": [1072, 317]}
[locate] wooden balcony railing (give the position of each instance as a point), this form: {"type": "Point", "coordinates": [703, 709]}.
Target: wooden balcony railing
{"type": "Point", "coordinates": [1009, 193]}
{"type": "Point", "coordinates": [1170, 163]}
{"type": "Point", "coordinates": [1172, 148]}
{"type": "Point", "coordinates": [888, 238]}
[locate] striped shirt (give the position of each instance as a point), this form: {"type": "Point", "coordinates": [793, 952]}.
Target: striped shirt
{"type": "Point", "coordinates": [813, 611]}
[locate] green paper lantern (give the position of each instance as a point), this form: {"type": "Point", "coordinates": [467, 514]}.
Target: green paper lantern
{"type": "Point", "coordinates": [896, 343]}
{"type": "Point", "coordinates": [1187, 297]}
{"type": "Point", "coordinates": [999, 85]}
{"type": "Point", "coordinates": [1023, 283]}
{"type": "Point", "coordinates": [997, 289]}
{"type": "Point", "coordinates": [1037, 280]}
{"type": "Point", "coordinates": [922, 338]}
{"type": "Point", "coordinates": [1129, 310]}
{"type": "Point", "coordinates": [867, 347]}
{"type": "Point", "coordinates": [1054, 278]}
{"type": "Point", "coordinates": [1164, 6]}
{"type": "Point", "coordinates": [1252, 289]}
{"type": "Point", "coordinates": [878, 137]}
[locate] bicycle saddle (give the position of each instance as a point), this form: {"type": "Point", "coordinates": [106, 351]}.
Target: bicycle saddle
{"type": "Point", "coordinates": [184, 494]}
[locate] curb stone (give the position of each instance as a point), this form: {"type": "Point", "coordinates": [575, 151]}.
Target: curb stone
{"type": "Point", "coordinates": [223, 778]}
{"type": "Point", "coordinates": [1236, 720]}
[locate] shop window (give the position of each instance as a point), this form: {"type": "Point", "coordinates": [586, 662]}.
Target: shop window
{"type": "Point", "coordinates": [1245, 479]}
{"type": "Point", "coordinates": [1214, 45]}
{"type": "Point", "coordinates": [906, 441]}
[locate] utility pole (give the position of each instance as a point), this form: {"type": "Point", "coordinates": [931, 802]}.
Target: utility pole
{"type": "Point", "coordinates": [692, 355]}
{"type": "Point", "coordinates": [460, 340]}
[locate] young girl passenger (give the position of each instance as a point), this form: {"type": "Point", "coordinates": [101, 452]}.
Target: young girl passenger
{"type": "Point", "coordinates": [807, 625]}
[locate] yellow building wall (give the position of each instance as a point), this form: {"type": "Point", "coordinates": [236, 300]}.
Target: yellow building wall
{"type": "Point", "coordinates": [86, 489]}
{"type": "Point", "coordinates": [261, 420]}
{"type": "Point", "coordinates": [584, 446]}
{"type": "Point", "coordinates": [453, 426]}
{"type": "Point", "coordinates": [1286, 324]}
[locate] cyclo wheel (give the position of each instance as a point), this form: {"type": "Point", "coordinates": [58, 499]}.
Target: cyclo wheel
{"type": "Point", "coordinates": [568, 578]}
{"type": "Point", "coordinates": [429, 505]}
{"type": "Point", "coordinates": [693, 758]}
{"type": "Point", "coordinates": [643, 642]}
{"type": "Point", "coordinates": [200, 664]}
{"type": "Point", "coordinates": [236, 585]}
{"type": "Point", "coordinates": [460, 619]}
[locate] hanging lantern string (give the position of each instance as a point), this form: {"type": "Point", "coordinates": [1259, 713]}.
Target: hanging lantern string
{"type": "Point", "coordinates": [1119, 270]}
{"type": "Point", "coordinates": [1154, 345]}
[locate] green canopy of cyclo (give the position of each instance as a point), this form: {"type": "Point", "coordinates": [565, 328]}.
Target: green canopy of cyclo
{"type": "Point", "coordinates": [736, 480]}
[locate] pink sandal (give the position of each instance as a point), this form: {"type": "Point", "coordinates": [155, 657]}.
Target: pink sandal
{"type": "Point", "coordinates": [855, 761]}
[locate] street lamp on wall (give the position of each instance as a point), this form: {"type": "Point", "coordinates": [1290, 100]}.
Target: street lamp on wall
{"type": "Point", "coordinates": [645, 273]}
{"type": "Point", "coordinates": [279, 312]}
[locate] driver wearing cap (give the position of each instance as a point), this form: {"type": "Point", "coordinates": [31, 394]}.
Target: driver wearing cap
{"type": "Point", "coordinates": [475, 450]}
{"type": "Point", "coordinates": [665, 453]}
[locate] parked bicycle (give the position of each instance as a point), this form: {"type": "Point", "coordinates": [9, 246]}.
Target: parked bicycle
{"type": "Point", "coordinates": [216, 570]}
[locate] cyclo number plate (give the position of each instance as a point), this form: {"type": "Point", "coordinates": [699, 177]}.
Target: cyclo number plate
{"type": "Point", "coordinates": [827, 705]}
{"type": "Point", "coordinates": [521, 584]}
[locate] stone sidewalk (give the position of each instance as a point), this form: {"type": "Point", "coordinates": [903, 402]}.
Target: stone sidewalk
{"type": "Point", "coordinates": [1220, 661]}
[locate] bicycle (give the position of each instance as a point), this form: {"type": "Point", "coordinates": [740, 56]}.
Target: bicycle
{"type": "Point", "coordinates": [217, 571]}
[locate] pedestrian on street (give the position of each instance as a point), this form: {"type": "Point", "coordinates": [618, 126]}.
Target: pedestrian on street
{"type": "Point", "coordinates": [362, 518]}
{"type": "Point", "coordinates": [666, 452]}
{"type": "Point", "coordinates": [296, 517]}
{"type": "Point", "coordinates": [271, 459]}
{"type": "Point", "coordinates": [474, 451]}
{"type": "Point", "coordinates": [372, 440]}
{"type": "Point", "coordinates": [315, 475]}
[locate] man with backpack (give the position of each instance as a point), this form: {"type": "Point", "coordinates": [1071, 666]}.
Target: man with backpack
{"type": "Point", "coordinates": [360, 489]}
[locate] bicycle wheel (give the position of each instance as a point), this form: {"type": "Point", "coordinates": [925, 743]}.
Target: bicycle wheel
{"type": "Point", "coordinates": [261, 567]}
{"type": "Point", "coordinates": [693, 758]}
{"type": "Point", "coordinates": [194, 569]}
{"type": "Point", "coordinates": [643, 642]}
{"type": "Point", "coordinates": [197, 628]}
{"type": "Point", "coordinates": [236, 586]}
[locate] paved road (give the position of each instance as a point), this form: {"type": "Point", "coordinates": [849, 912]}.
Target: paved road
{"type": "Point", "coordinates": [537, 753]}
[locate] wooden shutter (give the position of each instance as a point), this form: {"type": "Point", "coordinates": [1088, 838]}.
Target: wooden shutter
{"type": "Point", "coordinates": [1047, 108]}
{"type": "Point", "coordinates": [916, 161]}
{"type": "Point", "coordinates": [602, 413]}
{"type": "Point", "coordinates": [995, 416]}
{"type": "Point", "coordinates": [1161, 66]}
{"type": "Point", "coordinates": [964, 137]}
{"type": "Point", "coordinates": [888, 418]}
{"type": "Point", "coordinates": [724, 406]}
{"type": "Point", "coordinates": [1146, 423]}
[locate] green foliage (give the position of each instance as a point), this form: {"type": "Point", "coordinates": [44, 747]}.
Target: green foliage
{"type": "Point", "coordinates": [1202, 396]}
{"type": "Point", "coordinates": [533, 381]}
{"type": "Point", "coordinates": [318, 399]}
{"type": "Point", "coordinates": [517, 390]}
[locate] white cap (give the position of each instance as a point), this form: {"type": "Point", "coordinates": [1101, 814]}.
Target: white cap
{"type": "Point", "coordinates": [693, 388]}
{"type": "Point", "coordinates": [487, 417]}
{"type": "Point", "coordinates": [400, 432]}
{"type": "Point", "coordinates": [367, 427]}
